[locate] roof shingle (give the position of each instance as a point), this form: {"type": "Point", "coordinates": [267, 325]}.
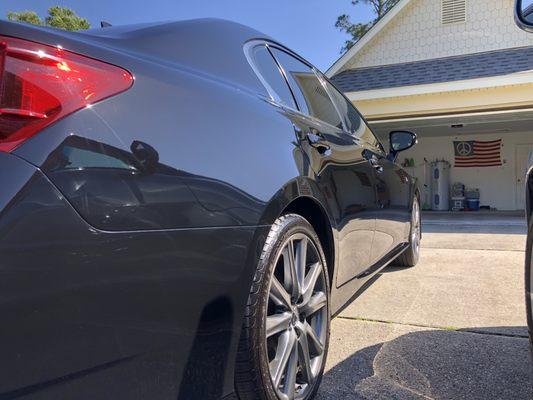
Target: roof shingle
{"type": "Point", "coordinates": [456, 68]}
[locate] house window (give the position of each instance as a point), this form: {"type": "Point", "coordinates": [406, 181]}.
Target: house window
{"type": "Point", "coordinates": [453, 11]}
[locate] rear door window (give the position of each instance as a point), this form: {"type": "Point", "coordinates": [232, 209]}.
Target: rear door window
{"type": "Point", "coordinates": [271, 76]}
{"type": "Point", "coordinates": [355, 124]}
{"type": "Point", "coordinates": [311, 96]}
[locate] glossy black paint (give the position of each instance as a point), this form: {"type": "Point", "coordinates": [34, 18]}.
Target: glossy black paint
{"type": "Point", "coordinates": [528, 276]}
{"type": "Point", "coordinates": [130, 230]}
{"type": "Point", "coordinates": [523, 15]}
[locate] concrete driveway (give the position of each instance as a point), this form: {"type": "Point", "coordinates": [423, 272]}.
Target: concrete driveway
{"type": "Point", "coordinates": [453, 327]}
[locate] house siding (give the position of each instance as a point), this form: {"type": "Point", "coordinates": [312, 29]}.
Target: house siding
{"type": "Point", "coordinates": [417, 33]}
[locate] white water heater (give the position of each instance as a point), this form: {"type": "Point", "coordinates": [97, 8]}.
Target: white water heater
{"type": "Point", "coordinates": [440, 185]}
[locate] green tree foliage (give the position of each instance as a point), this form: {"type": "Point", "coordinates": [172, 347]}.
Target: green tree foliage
{"type": "Point", "coordinates": [58, 17]}
{"type": "Point", "coordinates": [65, 18]}
{"type": "Point", "coordinates": [30, 17]}
{"type": "Point", "coordinates": [357, 30]}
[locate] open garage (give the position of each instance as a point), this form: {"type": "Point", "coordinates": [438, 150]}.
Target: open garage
{"type": "Point", "coordinates": [470, 105]}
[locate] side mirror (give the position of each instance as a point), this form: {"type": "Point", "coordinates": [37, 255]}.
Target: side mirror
{"type": "Point", "coordinates": [400, 141]}
{"type": "Point", "coordinates": [524, 14]}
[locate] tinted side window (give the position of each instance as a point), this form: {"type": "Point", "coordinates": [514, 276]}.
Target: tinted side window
{"type": "Point", "coordinates": [311, 96]}
{"type": "Point", "coordinates": [75, 158]}
{"type": "Point", "coordinates": [354, 123]}
{"type": "Point", "coordinates": [267, 67]}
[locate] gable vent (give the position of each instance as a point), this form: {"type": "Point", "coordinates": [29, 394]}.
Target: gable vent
{"type": "Point", "coordinates": [453, 11]}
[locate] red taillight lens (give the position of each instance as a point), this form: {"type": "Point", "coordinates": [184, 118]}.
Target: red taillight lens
{"type": "Point", "coordinates": [40, 84]}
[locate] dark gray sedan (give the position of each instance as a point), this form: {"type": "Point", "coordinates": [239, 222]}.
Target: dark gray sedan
{"type": "Point", "coordinates": [184, 207]}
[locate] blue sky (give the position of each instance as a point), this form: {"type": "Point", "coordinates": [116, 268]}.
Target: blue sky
{"type": "Point", "coordinates": [306, 26]}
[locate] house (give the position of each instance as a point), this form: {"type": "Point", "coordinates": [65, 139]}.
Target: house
{"type": "Point", "coordinates": [457, 73]}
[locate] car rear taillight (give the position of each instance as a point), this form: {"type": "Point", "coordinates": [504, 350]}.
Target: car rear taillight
{"type": "Point", "coordinates": [40, 84]}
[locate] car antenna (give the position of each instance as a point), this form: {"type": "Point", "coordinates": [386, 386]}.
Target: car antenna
{"type": "Point", "coordinates": [105, 24]}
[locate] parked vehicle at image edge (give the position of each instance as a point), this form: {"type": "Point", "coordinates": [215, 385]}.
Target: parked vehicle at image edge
{"type": "Point", "coordinates": [524, 19]}
{"type": "Point", "coordinates": [529, 249]}
{"type": "Point", "coordinates": [184, 207]}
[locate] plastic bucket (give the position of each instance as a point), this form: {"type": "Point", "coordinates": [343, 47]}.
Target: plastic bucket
{"type": "Point", "coordinates": [472, 204]}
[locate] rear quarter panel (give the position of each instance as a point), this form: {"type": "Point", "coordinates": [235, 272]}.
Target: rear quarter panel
{"type": "Point", "coordinates": [90, 314]}
{"type": "Point", "coordinates": [224, 153]}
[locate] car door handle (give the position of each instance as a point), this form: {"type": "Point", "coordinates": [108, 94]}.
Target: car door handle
{"type": "Point", "coordinates": [379, 168]}
{"type": "Point", "coordinates": [376, 165]}
{"type": "Point", "coordinates": [374, 161]}
{"type": "Point", "coordinates": [318, 142]}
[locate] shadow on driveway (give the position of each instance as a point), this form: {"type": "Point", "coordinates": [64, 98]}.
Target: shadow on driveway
{"type": "Point", "coordinates": [435, 364]}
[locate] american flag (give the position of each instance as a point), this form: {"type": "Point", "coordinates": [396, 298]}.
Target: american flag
{"type": "Point", "coordinates": [475, 153]}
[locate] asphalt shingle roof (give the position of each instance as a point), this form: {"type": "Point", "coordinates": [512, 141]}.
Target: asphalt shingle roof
{"type": "Point", "coordinates": [470, 66]}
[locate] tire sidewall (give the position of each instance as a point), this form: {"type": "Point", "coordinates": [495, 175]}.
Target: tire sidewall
{"type": "Point", "coordinates": [291, 225]}
{"type": "Point", "coordinates": [415, 256]}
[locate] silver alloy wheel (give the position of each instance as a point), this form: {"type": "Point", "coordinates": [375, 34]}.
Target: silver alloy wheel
{"type": "Point", "coordinates": [296, 318]}
{"type": "Point", "coordinates": [416, 231]}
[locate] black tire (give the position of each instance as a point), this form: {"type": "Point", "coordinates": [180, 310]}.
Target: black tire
{"type": "Point", "coordinates": [253, 379]}
{"type": "Point", "coordinates": [410, 257]}
{"type": "Point", "coordinates": [528, 271]}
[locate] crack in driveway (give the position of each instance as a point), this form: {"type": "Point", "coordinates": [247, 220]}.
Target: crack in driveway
{"type": "Point", "coordinates": [442, 328]}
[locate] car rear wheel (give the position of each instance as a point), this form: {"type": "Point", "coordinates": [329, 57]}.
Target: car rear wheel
{"type": "Point", "coordinates": [285, 333]}
{"type": "Point", "coordinates": [409, 258]}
